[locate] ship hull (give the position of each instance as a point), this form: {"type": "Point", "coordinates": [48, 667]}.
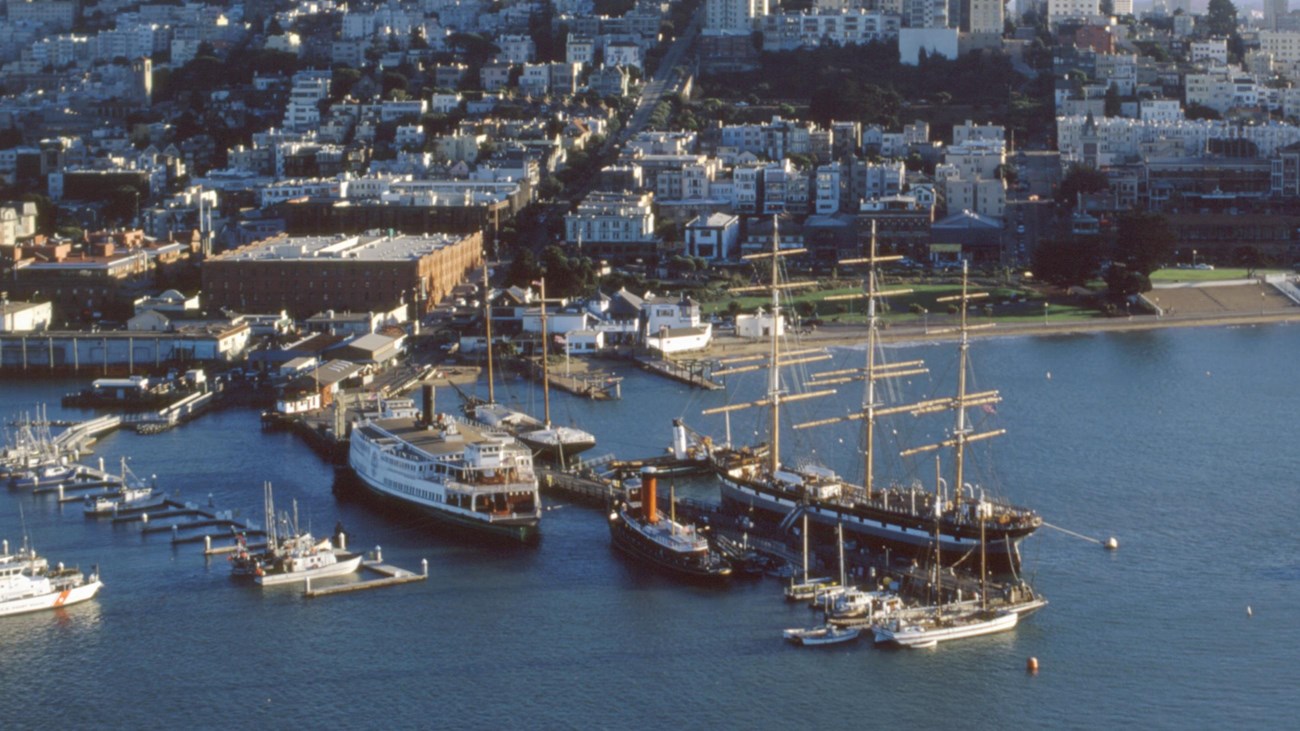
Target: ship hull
{"type": "Point", "coordinates": [52, 600]}
{"type": "Point", "coordinates": [346, 565]}
{"type": "Point", "coordinates": [627, 540]}
{"type": "Point", "coordinates": [876, 530]}
{"type": "Point", "coordinates": [524, 530]}
{"type": "Point", "coordinates": [552, 452]}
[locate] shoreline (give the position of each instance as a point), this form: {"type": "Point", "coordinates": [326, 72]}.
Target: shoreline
{"type": "Point", "coordinates": [850, 335]}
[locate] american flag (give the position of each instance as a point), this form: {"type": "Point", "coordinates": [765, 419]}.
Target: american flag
{"type": "Point", "coordinates": [988, 408]}
{"type": "Point", "coordinates": [559, 340]}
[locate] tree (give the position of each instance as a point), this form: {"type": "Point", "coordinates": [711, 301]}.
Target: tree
{"type": "Point", "coordinates": [1221, 18]}
{"type": "Point", "coordinates": [1081, 179]}
{"type": "Point", "coordinates": [1124, 282]}
{"type": "Point", "coordinates": [1112, 102]}
{"type": "Point", "coordinates": [523, 269]}
{"type": "Point", "coordinates": [1066, 263]}
{"type": "Point", "coordinates": [1144, 241]}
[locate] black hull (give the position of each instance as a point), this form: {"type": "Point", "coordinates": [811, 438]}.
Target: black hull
{"type": "Point", "coordinates": [629, 541]}
{"type": "Point", "coordinates": [885, 534]}
{"type": "Point", "coordinates": [554, 453]}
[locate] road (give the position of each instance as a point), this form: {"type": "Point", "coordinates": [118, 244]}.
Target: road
{"type": "Point", "coordinates": [665, 79]}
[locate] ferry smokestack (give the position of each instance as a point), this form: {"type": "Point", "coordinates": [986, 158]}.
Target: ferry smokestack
{"type": "Point", "coordinates": [649, 502]}
{"type": "Point", "coordinates": [427, 415]}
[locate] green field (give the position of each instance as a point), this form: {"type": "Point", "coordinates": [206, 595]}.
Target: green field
{"type": "Point", "coordinates": [1207, 275]}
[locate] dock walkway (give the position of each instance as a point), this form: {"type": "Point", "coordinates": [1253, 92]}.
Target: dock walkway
{"type": "Point", "coordinates": [695, 373]}
{"type": "Point", "coordinates": [392, 576]}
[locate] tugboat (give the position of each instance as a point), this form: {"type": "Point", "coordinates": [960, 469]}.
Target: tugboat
{"type": "Point", "coordinates": [638, 529]}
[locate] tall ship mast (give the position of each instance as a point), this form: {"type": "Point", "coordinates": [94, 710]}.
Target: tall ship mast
{"type": "Point", "coordinates": [897, 519]}
{"type": "Point", "coordinates": [554, 443]}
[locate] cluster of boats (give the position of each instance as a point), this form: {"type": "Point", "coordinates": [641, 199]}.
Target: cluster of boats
{"type": "Point", "coordinates": [291, 555]}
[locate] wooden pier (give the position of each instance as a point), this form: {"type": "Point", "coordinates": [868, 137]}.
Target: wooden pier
{"type": "Point", "coordinates": [587, 489]}
{"type": "Point", "coordinates": [694, 373]}
{"type": "Point", "coordinates": [392, 576]}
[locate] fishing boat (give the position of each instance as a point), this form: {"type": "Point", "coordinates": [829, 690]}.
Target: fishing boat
{"type": "Point", "coordinates": [28, 584]}
{"type": "Point", "coordinates": [292, 554]}
{"type": "Point", "coordinates": [459, 473]}
{"type": "Point", "coordinates": [132, 494]}
{"type": "Point", "coordinates": [895, 518]}
{"type": "Point", "coordinates": [48, 476]}
{"type": "Point", "coordinates": [640, 530]}
{"type": "Point", "coordinates": [548, 441]}
{"type": "Point", "coordinates": [865, 604]}
{"type": "Point", "coordinates": [824, 635]}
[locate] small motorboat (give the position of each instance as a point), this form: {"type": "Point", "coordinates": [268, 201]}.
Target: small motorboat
{"type": "Point", "coordinates": [824, 635]}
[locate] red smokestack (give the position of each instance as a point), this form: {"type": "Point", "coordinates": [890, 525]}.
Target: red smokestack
{"type": "Point", "coordinates": [649, 504]}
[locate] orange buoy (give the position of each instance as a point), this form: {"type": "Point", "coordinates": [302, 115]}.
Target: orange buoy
{"type": "Point", "coordinates": [1031, 665]}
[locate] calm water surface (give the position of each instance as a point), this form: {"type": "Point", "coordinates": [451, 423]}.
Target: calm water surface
{"type": "Point", "coordinates": [1180, 443]}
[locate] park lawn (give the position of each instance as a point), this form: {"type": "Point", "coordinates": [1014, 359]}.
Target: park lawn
{"type": "Point", "coordinates": [1206, 275]}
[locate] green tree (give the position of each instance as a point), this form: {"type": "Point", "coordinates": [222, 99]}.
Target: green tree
{"type": "Point", "coordinates": [523, 269]}
{"type": "Point", "coordinates": [1066, 263]}
{"type": "Point", "coordinates": [1123, 282]}
{"type": "Point", "coordinates": [1112, 101]}
{"type": "Point", "coordinates": [1144, 241]}
{"type": "Point", "coordinates": [1221, 18]}
{"type": "Point", "coordinates": [1080, 179]}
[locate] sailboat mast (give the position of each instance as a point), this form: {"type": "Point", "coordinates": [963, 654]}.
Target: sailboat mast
{"type": "Point", "coordinates": [839, 538]}
{"type": "Point", "coordinates": [963, 353]}
{"type": "Point", "coordinates": [869, 449]}
{"type": "Point", "coordinates": [546, 372]}
{"type": "Point", "coordinates": [805, 548]}
{"type": "Point", "coordinates": [487, 320]}
{"type": "Point", "coordinates": [984, 570]}
{"type": "Point", "coordinates": [774, 371]}
{"type": "Point", "coordinates": [938, 547]}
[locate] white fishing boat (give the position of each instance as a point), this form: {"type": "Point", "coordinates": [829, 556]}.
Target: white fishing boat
{"type": "Point", "coordinates": [861, 604]}
{"type": "Point", "coordinates": [825, 635]}
{"type": "Point", "coordinates": [292, 555]}
{"type": "Point", "coordinates": [28, 585]}
{"type": "Point", "coordinates": [132, 494]}
{"type": "Point", "coordinates": [303, 558]}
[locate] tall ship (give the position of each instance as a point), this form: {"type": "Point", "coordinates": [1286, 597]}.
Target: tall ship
{"type": "Point", "coordinates": [898, 519]}
{"type": "Point", "coordinates": [459, 473]}
{"type": "Point", "coordinates": [639, 529]}
{"type": "Point", "coordinates": [548, 441]}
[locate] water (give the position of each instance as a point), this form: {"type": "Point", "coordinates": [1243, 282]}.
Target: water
{"type": "Point", "coordinates": [1180, 443]}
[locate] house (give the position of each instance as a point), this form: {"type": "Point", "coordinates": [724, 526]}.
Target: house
{"type": "Point", "coordinates": [713, 237]}
{"type": "Point", "coordinates": [317, 389]}
{"type": "Point", "coordinates": [758, 326]}
{"type": "Point", "coordinates": [372, 349]}
{"type": "Point", "coordinates": [674, 327]}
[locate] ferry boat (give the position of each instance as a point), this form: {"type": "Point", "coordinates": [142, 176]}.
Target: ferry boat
{"type": "Point", "coordinates": [459, 473]}
{"type": "Point", "coordinates": [28, 585]}
{"type": "Point", "coordinates": [638, 529]}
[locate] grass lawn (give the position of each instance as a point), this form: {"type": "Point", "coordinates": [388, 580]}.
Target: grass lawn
{"type": "Point", "coordinates": [1206, 275]}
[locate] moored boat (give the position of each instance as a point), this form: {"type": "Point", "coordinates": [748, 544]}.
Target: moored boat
{"type": "Point", "coordinates": [824, 635]}
{"type": "Point", "coordinates": [455, 472]}
{"type": "Point", "coordinates": [929, 631]}
{"type": "Point", "coordinates": [132, 494]}
{"type": "Point", "coordinates": [27, 584]}
{"type": "Point", "coordinates": [47, 476]}
{"type": "Point", "coordinates": [304, 557]}
{"type": "Point", "coordinates": [640, 530]}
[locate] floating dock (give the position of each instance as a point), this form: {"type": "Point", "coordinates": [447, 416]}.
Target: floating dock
{"type": "Point", "coordinates": [391, 576]}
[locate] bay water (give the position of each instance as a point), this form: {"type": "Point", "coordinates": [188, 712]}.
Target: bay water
{"type": "Point", "coordinates": [1180, 443]}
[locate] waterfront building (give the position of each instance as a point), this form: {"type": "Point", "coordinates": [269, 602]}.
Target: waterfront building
{"type": "Point", "coordinates": [366, 272]}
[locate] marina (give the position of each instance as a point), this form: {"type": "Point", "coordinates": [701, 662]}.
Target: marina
{"type": "Point", "coordinates": [741, 624]}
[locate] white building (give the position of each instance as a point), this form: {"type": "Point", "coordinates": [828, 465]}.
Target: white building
{"type": "Point", "coordinates": [732, 17]}
{"type": "Point", "coordinates": [758, 326]}
{"type": "Point", "coordinates": [25, 316]}
{"type": "Point", "coordinates": [1062, 10]}
{"type": "Point", "coordinates": [674, 327]}
{"type": "Point", "coordinates": [713, 237]}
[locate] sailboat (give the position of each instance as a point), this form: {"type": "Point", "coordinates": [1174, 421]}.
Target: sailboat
{"type": "Point", "coordinates": [808, 588]}
{"type": "Point", "coordinates": [892, 519]}
{"type": "Point", "coordinates": [548, 441]}
{"type": "Point", "coordinates": [928, 626]}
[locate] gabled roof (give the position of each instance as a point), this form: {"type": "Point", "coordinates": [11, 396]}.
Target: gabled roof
{"type": "Point", "coordinates": [967, 220]}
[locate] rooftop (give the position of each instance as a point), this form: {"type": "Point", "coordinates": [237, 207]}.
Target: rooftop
{"type": "Point", "coordinates": [363, 247]}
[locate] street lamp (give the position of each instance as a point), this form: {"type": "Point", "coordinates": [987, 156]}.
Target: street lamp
{"type": "Point", "coordinates": [1193, 258]}
{"type": "Point", "coordinates": [1045, 307]}
{"type": "Point", "coordinates": [925, 320]}
{"type": "Point", "coordinates": [1263, 297]}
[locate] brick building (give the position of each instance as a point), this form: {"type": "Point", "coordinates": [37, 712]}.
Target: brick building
{"type": "Point", "coordinates": [305, 275]}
